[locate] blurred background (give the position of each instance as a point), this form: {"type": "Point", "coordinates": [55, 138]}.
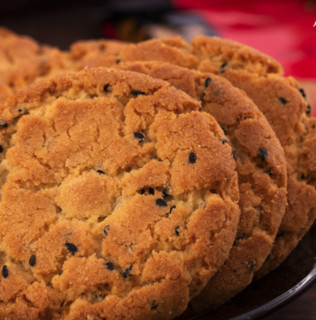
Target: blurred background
{"type": "Point", "coordinates": [282, 29]}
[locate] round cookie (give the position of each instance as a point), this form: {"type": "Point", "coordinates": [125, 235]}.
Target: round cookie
{"type": "Point", "coordinates": [22, 61]}
{"type": "Point", "coordinates": [283, 103]}
{"type": "Point", "coordinates": [119, 198]}
{"type": "Point", "coordinates": [261, 169]}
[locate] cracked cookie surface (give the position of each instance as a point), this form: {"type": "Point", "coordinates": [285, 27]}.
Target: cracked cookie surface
{"type": "Point", "coordinates": [261, 169]}
{"type": "Point", "coordinates": [284, 104]}
{"type": "Point", "coordinates": [118, 201]}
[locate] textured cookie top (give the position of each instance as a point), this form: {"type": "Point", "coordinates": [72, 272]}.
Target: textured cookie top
{"type": "Point", "coordinates": [261, 169]}
{"type": "Point", "coordinates": [96, 52]}
{"type": "Point", "coordinates": [284, 104]}
{"type": "Point", "coordinates": [118, 201]}
{"type": "Point", "coordinates": [215, 53]}
{"type": "Point", "coordinates": [22, 61]}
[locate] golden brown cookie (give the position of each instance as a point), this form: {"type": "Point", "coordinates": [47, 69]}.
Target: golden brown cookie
{"type": "Point", "coordinates": [174, 50]}
{"type": "Point", "coordinates": [23, 60]}
{"type": "Point", "coordinates": [119, 198]}
{"type": "Point", "coordinates": [215, 53]}
{"type": "Point", "coordinates": [261, 168]}
{"type": "Point", "coordinates": [284, 104]}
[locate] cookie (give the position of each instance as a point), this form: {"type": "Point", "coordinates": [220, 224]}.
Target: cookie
{"type": "Point", "coordinates": [119, 198]}
{"type": "Point", "coordinates": [23, 60]}
{"type": "Point", "coordinates": [284, 104]}
{"type": "Point", "coordinates": [215, 54]}
{"type": "Point", "coordinates": [261, 168]}
{"type": "Point", "coordinates": [88, 53]}
{"type": "Point", "coordinates": [173, 50]}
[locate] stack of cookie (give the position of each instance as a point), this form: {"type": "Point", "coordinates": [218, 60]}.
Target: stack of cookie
{"type": "Point", "coordinates": [139, 178]}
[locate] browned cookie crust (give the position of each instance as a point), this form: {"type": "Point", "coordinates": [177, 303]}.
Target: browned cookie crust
{"type": "Point", "coordinates": [214, 54]}
{"type": "Point", "coordinates": [22, 61]}
{"type": "Point", "coordinates": [89, 53]}
{"type": "Point", "coordinates": [261, 168]}
{"type": "Point", "coordinates": [174, 50]}
{"type": "Point", "coordinates": [283, 103]}
{"type": "Point", "coordinates": [119, 200]}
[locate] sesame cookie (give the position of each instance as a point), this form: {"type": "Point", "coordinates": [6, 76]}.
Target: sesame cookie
{"type": "Point", "coordinates": [118, 201]}
{"type": "Point", "coordinates": [284, 104]}
{"type": "Point", "coordinates": [214, 54]}
{"type": "Point", "coordinates": [23, 60]}
{"type": "Point", "coordinates": [261, 168]}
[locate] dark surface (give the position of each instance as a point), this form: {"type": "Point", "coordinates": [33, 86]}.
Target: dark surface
{"type": "Point", "coordinates": [302, 308]}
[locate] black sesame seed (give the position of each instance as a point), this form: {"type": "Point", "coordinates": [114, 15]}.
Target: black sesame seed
{"type": "Point", "coordinates": [20, 110]}
{"type": "Point", "coordinates": [161, 202]}
{"type": "Point", "coordinates": [176, 231]}
{"type": "Point", "coordinates": [241, 236]}
{"type": "Point", "coordinates": [309, 109]}
{"type": "Point", "coordinates": [141, 191]}
{"type": "Point", "coordinates": [224, 64]}
{"type": "Point", "coordinates": [170, 211]}
{"type": "Point", "coordinates": [224, 141]}
{"type": "Point", "coordinates": [302, 92]}
{"type": "Point", "coordinates": [32, 260]}
{"type": "Point", "coordinates": [283, 100]}
{"type": "Point", "coordinates": [251, 265]}
{"type": "Point", "coordinates": [154, 305]}
{"type": "Point", "coordinates": [71, 248]}
{"type": "Point", "coordinates": [106, 88]}
{"type": "Point", "coordinates": [234, 155]}
{"type": "Point", "coordinates": [117, 61]}
{"type": "Point", "coordinates": [109, 266]}
{"type": "Point", "coordinates": [280, 233]}
{"type": "Point", "coordinates": [139, 136]}
{"type": "Point", "coordinates": [151, 191]}
{"type": "Point", "coordinates": [268, 172]}
{"type": "Point", "coordinates": [137, 92]}
{"type": "Point", "coordinates": [5, 271]}
{"type": "Point", "coordinates": [3, 124]}
{"type": "Point", "coordinates": [304, 177]}
{"type": "Point", "coordinates": [165, 192]}
{"type": "Point", "coordinates": [192, 157]}
{"type": "Point", "coordinates": [127, 272]}
{"type": "Point", "coordinates": [106, 229]}
{"type": "Point", "coordinates": [100, 171]}
{"type": "Point", "coordinates": [1, 148]}
{"type": "Point", "coordinates": [207, 82]}
{"type": "Point", "coordinates": [263, 153]}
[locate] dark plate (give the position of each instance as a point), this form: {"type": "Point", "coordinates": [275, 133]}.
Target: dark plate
{"type": "Point", "coordinates": [279, 287]}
